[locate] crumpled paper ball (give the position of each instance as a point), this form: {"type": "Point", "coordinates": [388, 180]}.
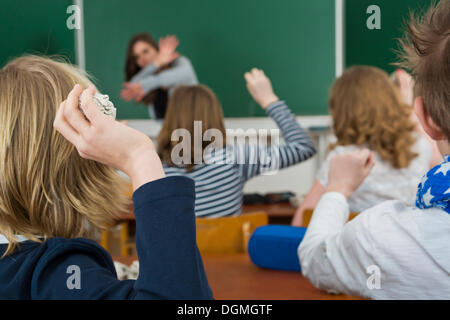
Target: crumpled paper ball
{"type": "Point", "coordinates": [103, 103]}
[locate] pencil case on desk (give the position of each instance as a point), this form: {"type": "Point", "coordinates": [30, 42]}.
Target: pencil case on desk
{"type": "Point", "coordinates": [275, 247]}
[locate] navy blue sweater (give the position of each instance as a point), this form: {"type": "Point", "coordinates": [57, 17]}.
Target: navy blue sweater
{"type": "Point", "coordinates": [170, 263]}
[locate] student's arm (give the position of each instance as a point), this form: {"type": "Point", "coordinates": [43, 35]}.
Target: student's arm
{"type": "Point", "coordinates": [170, 265]}
{"type": "Point", "coordinates": [298, 146]}
{"type": "Point", "coordinates": [181, 72]}
{"type": "Point", "coordinates": [406, 88]}
{"type": "Point", "coordinates": [330, 253]}
{"type": "Point", "coordinates": [310, 202]}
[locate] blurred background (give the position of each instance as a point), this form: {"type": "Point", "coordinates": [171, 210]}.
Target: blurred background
{"type": "Point", "coordinates": [293, 41]}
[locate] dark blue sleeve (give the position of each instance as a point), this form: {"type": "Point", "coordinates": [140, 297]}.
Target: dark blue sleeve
{"type": "Point", "coordinates": [166, 241]}
{"type": "Point", "coordinates": [170, 265]}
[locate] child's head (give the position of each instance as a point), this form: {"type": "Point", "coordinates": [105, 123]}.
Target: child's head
{"type": "Point", "coordinates": [46, 188]}
{"type": "Point", "coordinates": [367, 109]}
{"type": "Point", "coordinates": [186, 105]}
{"type": "Point", "coordinates": [426, 52]}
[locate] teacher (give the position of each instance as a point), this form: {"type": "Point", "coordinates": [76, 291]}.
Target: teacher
{"type": "Point", "coordinates": [152, 70]}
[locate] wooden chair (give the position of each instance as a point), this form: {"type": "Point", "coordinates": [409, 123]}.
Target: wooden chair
{"type": "Point", "coordinates": [307, 215]}
{"type": "Point", "coordinates": [218, 235]}
{"type": "Point", "coordinates": [228, 234]}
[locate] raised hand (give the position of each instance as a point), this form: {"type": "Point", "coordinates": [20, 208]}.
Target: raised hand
{"type": "Point", "coordinates": [260, 88]}
{"type": "Point", "coordinates": [167, 51]}
{"type": "Point", "coordinates": [98, 137]}
{"type": "Point", "coordinates": [348, 170]}
{"type": "Point", "coordinates": [132, 91]}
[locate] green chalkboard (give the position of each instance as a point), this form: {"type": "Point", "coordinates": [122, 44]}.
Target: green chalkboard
{"type": "Point", "coordinates": [292, 40]}
{"type": "Point", "coordinates": [376, 47]}
{"type": "Point", "coordinates": [37, 27]}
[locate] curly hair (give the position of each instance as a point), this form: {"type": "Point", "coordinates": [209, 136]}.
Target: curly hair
{"type": "Point", "coordinates": [367, 110]}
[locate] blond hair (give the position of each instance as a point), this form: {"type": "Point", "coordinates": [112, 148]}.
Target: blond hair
{"type": "Point", "coordinates": [46, 188]}
{"type": "Point", "coordinates": [186, 105]}
{"type": "Point", "coordinates": [426, 53]}
{"type": "Point", "coordinates": [367, 110]}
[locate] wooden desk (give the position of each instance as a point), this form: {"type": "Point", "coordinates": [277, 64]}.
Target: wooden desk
{"type": "Point", "coordinates": [234, 277]}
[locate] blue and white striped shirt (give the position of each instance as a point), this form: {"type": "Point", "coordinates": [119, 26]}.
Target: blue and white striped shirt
{"type": "Point", "coordinates": [219, 183]}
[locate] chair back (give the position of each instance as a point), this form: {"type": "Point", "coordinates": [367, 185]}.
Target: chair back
{"type": "Point", "coordinates": [228, 234]}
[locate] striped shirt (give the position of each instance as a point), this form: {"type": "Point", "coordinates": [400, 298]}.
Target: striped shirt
{"type": "Point", "coordinates": [219, 181]}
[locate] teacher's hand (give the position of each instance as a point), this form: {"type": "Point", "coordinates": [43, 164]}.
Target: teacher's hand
{"type": "Point", "coordinates": [132, 91]}
{"type": "Point", "coordinates": [98, 137]}
{"type": "Point", "coordinates": [167, 51]}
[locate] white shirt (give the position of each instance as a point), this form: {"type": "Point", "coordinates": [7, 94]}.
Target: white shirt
{"type": "Point", "coordinates": [409, 246]}
{"type": "Point", "coordinates": [384, 182]}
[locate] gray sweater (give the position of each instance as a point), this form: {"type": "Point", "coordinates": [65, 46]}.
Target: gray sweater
{"type": "Point", "coordinates": [182, 72]}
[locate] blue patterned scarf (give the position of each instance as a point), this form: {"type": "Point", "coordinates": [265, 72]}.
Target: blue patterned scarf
{"type": "Point", "coordinates": [434, 189]}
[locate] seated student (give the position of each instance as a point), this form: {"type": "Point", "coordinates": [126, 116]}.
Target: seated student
{"type": "Point", "coordinates": [368, 112]}
{"type": "Point", "coordinates": [51, 190]}
{"type": "Point", "coordinates": [153, 70]}
{"type": "Point", "coordinates": [219, 184]}
{"type": "Point", "coordinates": [392, 250]}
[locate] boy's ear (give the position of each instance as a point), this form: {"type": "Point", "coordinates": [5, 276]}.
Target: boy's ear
{"type": "Point", "coordinates": [427, 123]}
